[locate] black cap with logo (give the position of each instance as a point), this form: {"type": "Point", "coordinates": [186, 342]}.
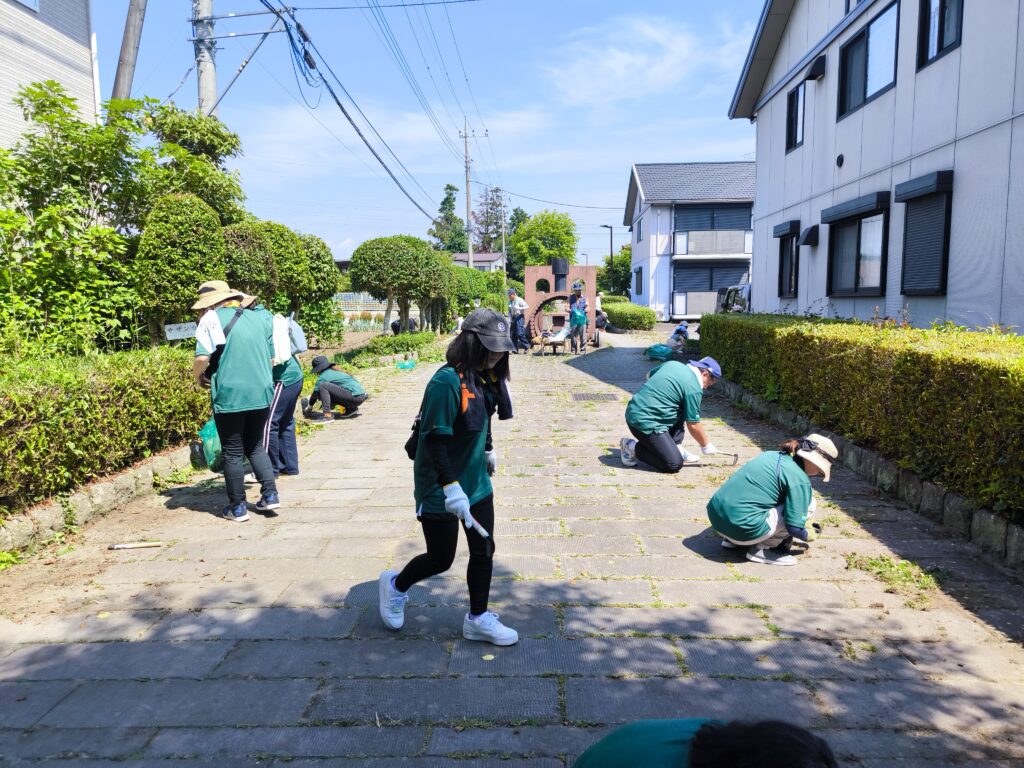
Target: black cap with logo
{"type": "Point", "coordinates": [491, 328]}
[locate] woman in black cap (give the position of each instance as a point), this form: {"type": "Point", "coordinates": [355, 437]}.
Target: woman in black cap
{"type": "Point", "coordinates": [333, 387]}
{"type": "Point", "coordinates": [453, 461]}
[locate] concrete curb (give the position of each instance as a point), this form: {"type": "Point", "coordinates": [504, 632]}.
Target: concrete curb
{"type": "Point", "coordinates": [993, 533]}
{"type": "Point", "coordinates": [42, 522]}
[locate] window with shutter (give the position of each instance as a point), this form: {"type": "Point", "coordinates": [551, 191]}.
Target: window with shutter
{"type": "Point", "coordinates": [795, 118]}
{"type": "Point", "coordinates": [694, 218]}
{"type": "Point", "coordinates": [691, 277]}
{"type": "Point", "coordinates": [926, 245]}
{"type": "Point", "coordinates": [857, 256]}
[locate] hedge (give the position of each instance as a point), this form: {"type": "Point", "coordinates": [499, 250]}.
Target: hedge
{"type": "Point", "coordinates": [945, 403]}
{"type": "Point", "coordinates": [369, 354]}
{"type": "Point", "coordinates": [629, 317]}
{"type": "Point", "coordinates": [65, 421]}
{"type": "Point", "coordinates": [606, 300]}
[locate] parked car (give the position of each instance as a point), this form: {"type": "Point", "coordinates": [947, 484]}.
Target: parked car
{"type": "Point", "coordinates": [735, 298]}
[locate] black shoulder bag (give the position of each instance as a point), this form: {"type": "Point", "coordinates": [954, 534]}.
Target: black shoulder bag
{"type": "Point", "coordinates": [211, 368]}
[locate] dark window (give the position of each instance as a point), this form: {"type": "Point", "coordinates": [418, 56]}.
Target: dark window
{"type": "Point", "coordinates": [638, 288]}
{"type": "Point", "coordinates": [789, 263]}
{"type": "Point", "coordinates": [639, 226]}
{"type": "Point", "coordinates": [701, 218]}
{"type": "Point", "coordinates": [708, 277]}
{"type": "Point", "coordinates": [867, 64]}
{"type": "Point", "coordinates": [857, 253]}
{"type": "Point", "coordinates": [543, 286]}
{"type": "Point", "coordinates": [941, 22]}
{"type": "Point", "coordinates": [795, 118]}
{"type": "Point", "coordinates": [926, 245]}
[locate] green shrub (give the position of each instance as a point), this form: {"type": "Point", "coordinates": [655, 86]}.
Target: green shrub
{"type": "Point", "coordinates": [294, 278]}
{"type": "Point", "coordinates": [324, 323]}
{"type": "Point", "coordinates": [250, 260]}
{"type": "Point", "coordinates": [947, 404]}
{"type": "Point", "coordinates": [605, 301]}
{"type": "Point", "coordinates": [181, 247]}
{"type": "Point", "coordinates": [630, 317]}
{"type": "Point", "coordinates": [370, 354]}
{"type": "Point", "coordinates": [322, 270]}
{"type": "Point", "coordinates": [496, 301]}
{"type": "Point", "coordinates": [65, 421]}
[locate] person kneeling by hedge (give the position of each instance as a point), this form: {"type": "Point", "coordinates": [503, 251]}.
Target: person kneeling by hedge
{"type": "Point", "coordinates": [333, 387]}
{"type": "Point", "coordinates": [663, 410]}
{"type": "Point", "coordinates": [766, 503]}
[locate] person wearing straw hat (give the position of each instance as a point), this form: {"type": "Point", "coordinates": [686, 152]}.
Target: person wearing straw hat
{"type": "Point", "coordinates": [767, 502]}
{"type": "Point", "coordinates": [241, 388]}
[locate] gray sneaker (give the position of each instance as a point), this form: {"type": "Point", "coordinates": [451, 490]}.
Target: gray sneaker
{"type": "Point", "coordinates": [627, 451]}
{"type": "Point", "coordinates": [392, 602]}
{"type": "Point", "coordinates": [769, 557]}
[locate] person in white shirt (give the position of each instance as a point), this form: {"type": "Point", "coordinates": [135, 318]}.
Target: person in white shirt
{"type": "Point", "coordinates": [517, 320]}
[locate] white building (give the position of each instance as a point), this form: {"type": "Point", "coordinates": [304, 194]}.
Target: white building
{"type": "Point", "coordinates": [485, 262]}
{"type": "Point", "coordinates": [691, 233]}
{"type": "Point", "coordinates": [890, 158]}
{"type": "Point", "coordinates": [45, 40]}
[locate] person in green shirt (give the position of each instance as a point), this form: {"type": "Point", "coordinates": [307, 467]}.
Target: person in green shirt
{"type": "Point", "coordinates": [664, 409]}
{"type": "Point", "coordinates": [279, 435]}
{"type": "Point", "coordinates": [766, 503]}
{"type": "Point", "coordinates": [333, 387]}
{"type": "Point", "coordinates": [453, 460]}
{"type": "Point", "coordinates": [701, 743]}
{"type": "Point", "coordinates": [241, 388]}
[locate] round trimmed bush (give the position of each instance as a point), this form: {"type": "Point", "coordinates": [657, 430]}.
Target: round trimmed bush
{"type": "Point", "coordinates": [249, 259]}
{"type": "Point", "coordinates": [322, 270]}
{"type": "Point", "coordinates": [630, 317]}
{"type": "Point", "coordinates": [606, 300]}
{"type": "Point", "coordinates": [294, 278]}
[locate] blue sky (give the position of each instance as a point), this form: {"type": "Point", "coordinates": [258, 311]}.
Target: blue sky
{"type": "Point", "coordinates": [571, 92]}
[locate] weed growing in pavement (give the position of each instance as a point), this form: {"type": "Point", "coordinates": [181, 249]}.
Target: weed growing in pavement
{"type": "Point", "coordinates": [177, 477]}
{"type": "Point", "coordinates": [8, 559]}
{"type": "Point", "coordinates": [304, 428]}
{"type": "Point", "coordinates": [901, 577]}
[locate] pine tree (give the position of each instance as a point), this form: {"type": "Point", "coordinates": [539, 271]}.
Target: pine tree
{"type": "Point", "coordinates": [448, 230]}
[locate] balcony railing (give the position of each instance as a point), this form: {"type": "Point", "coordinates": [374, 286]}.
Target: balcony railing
{"type": "Point", "coordinates": [717, 242]}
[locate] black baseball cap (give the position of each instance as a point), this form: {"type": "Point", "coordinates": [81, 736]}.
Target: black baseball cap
{"type": "Point", "coordinates": [491, 328]}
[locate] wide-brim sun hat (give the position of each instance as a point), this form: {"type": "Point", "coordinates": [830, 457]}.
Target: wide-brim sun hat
{"type": "Point", "coordinates": [820, 451]}
{"type": "Point", "coordinates": [214, 292]}
{"type": "Point", "coordinates": [491, 328]}
{"type": "Point", "coordinates": [319, 364]}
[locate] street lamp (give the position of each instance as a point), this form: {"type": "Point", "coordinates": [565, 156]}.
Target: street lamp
{"type": "Point", "coordinates": [611, 247]}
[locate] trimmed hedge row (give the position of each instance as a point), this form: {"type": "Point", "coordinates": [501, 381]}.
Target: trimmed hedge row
{"type": "Point", "coordinates": [945, 403]}
{"type": "Point", "coordinates": [606, 300]}
{"type": "Point", "coordinates": [630, 317]}
{"type": "Point", "coordinates": [369, 354]}
{"type": "Point", "coordinates": [65, 421]}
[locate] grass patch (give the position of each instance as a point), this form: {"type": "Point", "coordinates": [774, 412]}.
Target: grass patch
{"type": "Point", "coordinates": [901, 577]}
{"type": "Point", "coordinates": [177, 477]}
{"type": "Point", "coordinates": [9, 559]}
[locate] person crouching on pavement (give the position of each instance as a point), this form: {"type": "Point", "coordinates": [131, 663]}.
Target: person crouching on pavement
{"type": "Point", "coordinates": [664, 409]}
{"type": "Point", "coordinates": [453, 461]}
{"type": "Point", "coordinates": [766, 503]}
{"type": "Point", "coordinates": [333, 387]}
{"type": "Point", "coordinates": [241, 388]}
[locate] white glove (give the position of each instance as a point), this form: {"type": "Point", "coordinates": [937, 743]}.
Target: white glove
{"type": "Point", "coordinates": [456, 502]}
{"type": "Point", "coordinates": [492, 462]}
{"type": "Point", "coordinates": [708, 449]}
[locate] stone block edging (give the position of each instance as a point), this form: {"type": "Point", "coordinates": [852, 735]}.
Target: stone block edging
{"type": "Point", "coordinates": [993, 533]}
{"type": "Point", "coordinates": [42, 522]}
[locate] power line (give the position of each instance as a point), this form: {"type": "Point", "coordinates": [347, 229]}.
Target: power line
{"type": "Point", "coordinates": [552, 202]}
{"type": "Point", "coordinates": [383, 5]}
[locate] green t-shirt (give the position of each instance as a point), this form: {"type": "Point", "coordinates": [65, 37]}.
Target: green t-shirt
{"type": "Point", "coordinates": [342, 379]}
{"type": "Point", "coordinates": [244, 379]}
{"type": "Point", "coordinates": [288, 372]}
{"type": "Point", "coordinates": [442, 406]}
{"type": "Point", "coordinates": [672, 390]}
{"type": "Point", "coordinates": [650, 743]}
{"type": "Point", "coordinates": [739, 509]}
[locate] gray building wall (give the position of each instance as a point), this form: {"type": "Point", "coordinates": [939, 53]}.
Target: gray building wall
{"type": "Point", "coordinates": [51, 43]}
{"type": "Point", "coordinates": [964, 111]}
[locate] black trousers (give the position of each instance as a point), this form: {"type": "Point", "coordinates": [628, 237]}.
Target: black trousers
{"type": "Point", "coordinates": [661, 449]}
{"type": "Point", "coordinates": [441, 533]}
{"type": "Point", "coordinates": [331, 395]}
{"type": "Point", "coordinates": [241, 435]}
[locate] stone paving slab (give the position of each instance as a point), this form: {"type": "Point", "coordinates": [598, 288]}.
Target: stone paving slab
{"type": "Point", "coordinates": [420, 762]}
{"type": "Point", "coordinates": [546, 740]}
{"type": "Point", "coordinates": [823, 594]}
{"type": "Point", "coordinates": [681, 622]}
{"type": "Point", "coordinates": [573, 592]}
{"type": "Point", "coordinates": [656, 566]}
{"type": "Point", "coordinates": [256, 624]}
{"type": "Point", "coordinates": [783, 658]}
{"type": "Point", "coordinates": [445, 622]}
{"type": "Point", "coordinates": [106, 704]}
{"type": "Point", "coordinates": [618, 701]}
{"type": "Point", "coordinates": [335, 658]}
{"type": "Point", "coordinates": [117, 625]}
{"type": "Point", "coordinates": [113, 661]}
{"type": "Point", "coordinates": [584, 656]}
{"type": "Point", "coordinates": [77, 742]}
{"type": "Point", "coordinates": [874, 623]}
{"type": "Point", "coordinates": [558, 545]}
{"type": "Point", "coordinates": [438, 700]}
{"type": "Point", "coordinates": [23, 703]}
{"type": "Point", "coordinates": [287, 742]}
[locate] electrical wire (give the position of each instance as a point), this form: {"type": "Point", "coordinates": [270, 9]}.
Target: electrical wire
{"type": "Point", "coordinates": [385, 5]}
{"type": "Point", "coordinates": [180, 83]}
{"type": "Point", "coordinates": [552, 202]}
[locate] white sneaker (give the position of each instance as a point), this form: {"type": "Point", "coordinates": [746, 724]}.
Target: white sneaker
{"type": "Point", "coordinates": [627, 451]}
{"type": "Point", "coordinates": [726, 544]}
{"type": "Point", "coordinates": [689, 459]}
{"type": "Point", "coordinates": [392, 602]}
{"type": "Point", "coordinates": [250, 478]}
{"type": "Point", "coordinates": [488, 629]}
{"type": "Point", "coordinates": [768, 557]}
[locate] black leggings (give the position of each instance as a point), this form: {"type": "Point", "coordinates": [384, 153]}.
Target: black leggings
{"type": "Point", "coordinates": [241, 436]}
{"type": "Point", "coordinates": [661, 449]}
{"type": "Point", "coordinates": [441, 533]}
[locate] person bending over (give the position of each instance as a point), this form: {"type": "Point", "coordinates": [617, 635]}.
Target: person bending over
{"type": "Point", "coordinates": [766, 503]}
{"type": "Point", "coordinates": [333, 387]}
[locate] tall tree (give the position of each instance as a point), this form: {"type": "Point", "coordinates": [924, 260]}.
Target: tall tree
{"type": "Point", "coordinates": [518, 217]}
{"type": "Point", "coordinates": [448, 230]}
{"type": "Point", "coordinates": [489, 217]}
{"type": "Point", "coordinates": [391, 268]}
{"type": "Point", "coordinates": [544, 236]}
{"type": "Point", "coordinates": [513, 268]}
{"type": "Point", "coordinates": [615, 281]}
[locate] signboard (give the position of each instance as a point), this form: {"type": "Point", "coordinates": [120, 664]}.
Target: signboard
{"type": "Point", "coordinates": [180, 331]}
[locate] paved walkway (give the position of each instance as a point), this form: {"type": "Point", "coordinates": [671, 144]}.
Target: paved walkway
{"type": "Point", "coordinates": [260, 644]}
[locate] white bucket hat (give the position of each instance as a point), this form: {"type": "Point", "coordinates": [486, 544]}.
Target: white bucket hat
{"type": "Point", "coordinates": [820, 451]}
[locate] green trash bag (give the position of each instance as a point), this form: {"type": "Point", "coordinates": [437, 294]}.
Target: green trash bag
{"type": "Point", "coordinates": [211, 445]}
{"type": "Point", "coordinates": [658, 352]}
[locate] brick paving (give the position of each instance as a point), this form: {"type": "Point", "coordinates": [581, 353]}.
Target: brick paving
{"type": "Point", "coordinates": [259, 644]}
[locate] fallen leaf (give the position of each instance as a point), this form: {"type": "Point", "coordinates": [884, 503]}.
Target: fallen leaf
{"type": "Point", "coordinates": [488, 657]}
{"type": "Point", "coordinates": [103, 615]}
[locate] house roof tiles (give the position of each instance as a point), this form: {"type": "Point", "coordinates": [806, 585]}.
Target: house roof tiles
{"type": "Point", "coordinates": [689, 182]}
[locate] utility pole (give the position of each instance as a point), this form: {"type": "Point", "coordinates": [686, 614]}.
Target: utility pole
{"type": "Point", "coordinates": [205, 48]}
{"type": "Point", "coordinates": [611, 249]}
{"type": "Point", "coordinates": [504, 253]}
{"type": "Point", "coordinates": [129, 49]}
{"type": "Point", "coordinates": [469, 203]}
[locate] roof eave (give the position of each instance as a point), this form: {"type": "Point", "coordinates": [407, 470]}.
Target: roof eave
{"type": "Point", "coordinates": [770, 28]}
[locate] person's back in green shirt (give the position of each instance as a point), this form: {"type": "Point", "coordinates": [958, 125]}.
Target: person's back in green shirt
{"type": "Point", "coordinates": [646, 743]}
{"type": "Point", "coordinates": [341, 379]}
{"type": "Point", "coordinates": [673, 389]}
{"type": "Point", "coordinates": [739, 509]}
{"type": "Point", "coordinates": [289, 372]}
{"type": "Point", "coordinates": [244, 379]}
